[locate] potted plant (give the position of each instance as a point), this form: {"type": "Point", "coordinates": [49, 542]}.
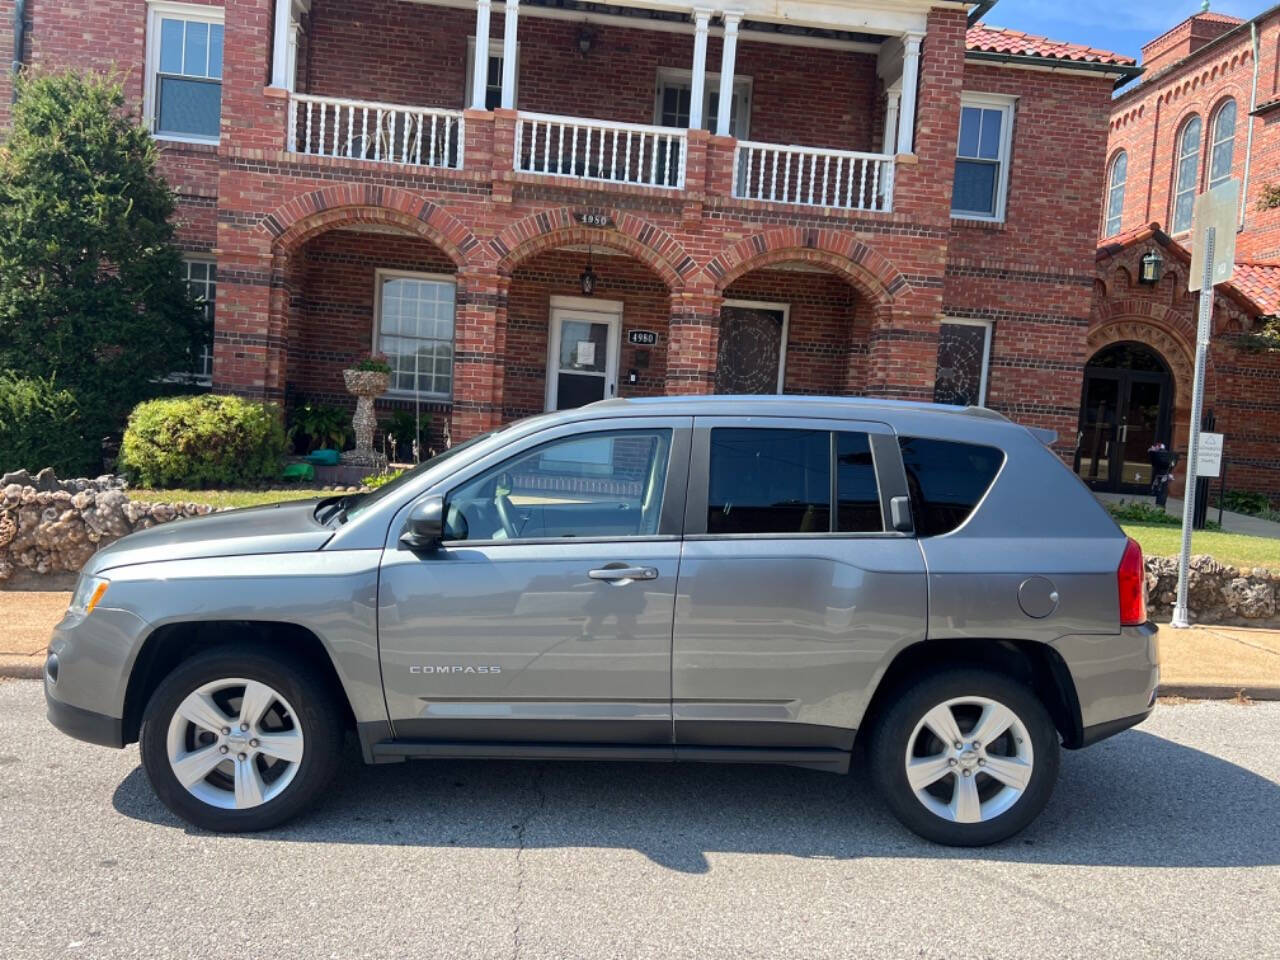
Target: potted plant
{"type": "Point", "coordinates": [366, 379]}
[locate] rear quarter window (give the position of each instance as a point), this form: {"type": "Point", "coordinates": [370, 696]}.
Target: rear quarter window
{"type": "Point", "coordinates": [946, 479]}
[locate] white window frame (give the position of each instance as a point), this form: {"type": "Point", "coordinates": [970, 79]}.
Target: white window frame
{"type": "Point", "coordinates": [1215, 141]}
{"type": "Point", "coordinates": [1193, 187]}
{"type": "Point", "coordinates": [607, 311]}
{"type": "Point", "coordinates": [785, 309]}
{"type": "Point", "coordinates": [682, 77]}
{"type": "Point", "coordinates": [386, 273]}
{"type": "Point", "coordinates": [157, 10]}
{"type": "Point", "coordinates": [1113, 211]}
{"type": "Point", "coordinates": [1005, 104]}
{"type": "Point", "coordinates": [495, 50]}
{"type": "Point", "coordinates": [986, 351]}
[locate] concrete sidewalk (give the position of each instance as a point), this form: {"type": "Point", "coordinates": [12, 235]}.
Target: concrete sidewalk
{"type": "Point", "coordinates": [1202, 662]}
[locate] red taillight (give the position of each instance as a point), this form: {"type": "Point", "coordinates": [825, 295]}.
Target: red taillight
{"type": "Point", "coordinates": [1131, 579]}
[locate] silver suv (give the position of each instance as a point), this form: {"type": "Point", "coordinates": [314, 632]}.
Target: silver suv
{"type": "Point", "coordinates": [725, 579]}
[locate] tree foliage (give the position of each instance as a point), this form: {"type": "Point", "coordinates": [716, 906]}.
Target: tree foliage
{"type": "Point", "coordinates": [92, 291]}
{"type": "Point", "coordinates": [40, 427]}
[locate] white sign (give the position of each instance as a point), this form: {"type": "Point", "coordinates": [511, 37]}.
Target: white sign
{"type": "Point", "coordinates": [1219, 209]}
{"type": "Point", "coordinates": [1209, 455]}
{"type": "Point", "coordinates": [586, 353]}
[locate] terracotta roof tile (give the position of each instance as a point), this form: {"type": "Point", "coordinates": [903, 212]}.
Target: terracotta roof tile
{"type": "Point", "coordinates": [1260, 282]}
{"type": "Point", "coordinates": [988, 39]}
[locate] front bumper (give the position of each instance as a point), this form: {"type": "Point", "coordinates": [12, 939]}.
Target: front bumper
{"type": "Point", "coordinates": [84, 724]}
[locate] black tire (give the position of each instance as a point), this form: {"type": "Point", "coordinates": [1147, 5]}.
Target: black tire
{"type": "Point", "coordinates": [316, 711]}
{"type": "Point", "coordinates": [893, 728]}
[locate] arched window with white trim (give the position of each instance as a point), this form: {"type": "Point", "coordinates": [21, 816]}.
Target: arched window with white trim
{"type": "Point", "coordinates": [1187, 167]}
{"type": "Point", "coordinates": [1115, 192]}
{"type": "Point", "coordinates": [1224, 142]}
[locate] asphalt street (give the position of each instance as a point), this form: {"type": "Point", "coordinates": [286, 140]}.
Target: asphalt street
{"type": "Point", "coordinates": [1162, 842]}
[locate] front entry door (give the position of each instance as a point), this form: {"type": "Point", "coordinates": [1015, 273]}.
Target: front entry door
{"type": "Point", "coordinates": [582, 363]}
{"type": "Point", "coordinates": [753, 348]}
{"type": "Point", "coordinates": [1124, 413]}
{"type": "Point", "coordinates": [546, 613]}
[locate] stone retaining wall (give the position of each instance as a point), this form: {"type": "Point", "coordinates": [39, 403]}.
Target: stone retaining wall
{"type": "Point", "coordinates": [52, 526]}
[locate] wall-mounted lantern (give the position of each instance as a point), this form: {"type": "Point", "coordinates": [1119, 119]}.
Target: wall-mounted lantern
{"type": "Point", "coordinates": [1152, 268]}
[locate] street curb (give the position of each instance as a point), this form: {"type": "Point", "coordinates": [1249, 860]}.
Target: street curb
{"type": "Point", "coordinates": [1219, 691]}
{"type": "Point", "coordinates": [16, 667]}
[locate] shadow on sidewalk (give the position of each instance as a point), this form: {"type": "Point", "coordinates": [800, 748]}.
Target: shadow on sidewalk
{"type": "Point", "coordinates": [1135, 801]}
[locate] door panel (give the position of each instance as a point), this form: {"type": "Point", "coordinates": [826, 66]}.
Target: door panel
{"type": "Point", "coordinates": [587, 660]}
{"type": "Point", "coordinates": [750, 351]}
{"type": "Point", "coordinates": [583, 367]}
{"type": "Point", "coordinates": [1140, 430]}
{"type": "Point", "coordinates": [1097, 430]}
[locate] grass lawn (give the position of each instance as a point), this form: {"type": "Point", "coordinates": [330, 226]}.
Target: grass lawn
{"type": "Point", "coordinates": [227, 498]}
{"type": "Point", "coordinates": [1235, 549]}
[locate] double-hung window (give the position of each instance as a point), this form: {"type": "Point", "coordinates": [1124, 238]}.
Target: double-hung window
{"type": "Point", "coordinates": [983, 152]}
{"type": "Point", "coordinates": [184, 71]}
{"type": "Point", "coordinates": [675, 88]}
{"type": "Point", "coordinates": [415, 331]}
{"type": "Point", "coordinates": [493, 76]}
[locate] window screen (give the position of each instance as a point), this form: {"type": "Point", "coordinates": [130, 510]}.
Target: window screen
{"type": "Point", "coordinates": [769, 481]}
{"type": "Point", "coordinates": [946, 480]}
{"type": "Point", "coordinates": [189, 78]}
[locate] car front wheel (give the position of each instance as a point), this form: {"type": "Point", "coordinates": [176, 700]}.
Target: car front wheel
{"type": "Point", "coordinates": [235, 740]}
{"type": "Point", "coordinates": [965, 757]}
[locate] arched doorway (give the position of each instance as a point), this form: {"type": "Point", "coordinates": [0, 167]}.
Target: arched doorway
{"type": "Point", "coordinates": [1124, 411]}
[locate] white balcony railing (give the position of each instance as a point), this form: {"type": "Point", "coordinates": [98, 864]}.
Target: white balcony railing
{"type": "Point", "coordinates": [364, 130]}
{"type": "Point", "coordinates": [600, 150]}
{"type": "Point", "coordinates": [813, 176]}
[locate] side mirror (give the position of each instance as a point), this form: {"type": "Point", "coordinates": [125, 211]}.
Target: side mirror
{"type": "Point", "coordinates": [425, 527]}
{"type": "Point", "coordinates": [900, 514]}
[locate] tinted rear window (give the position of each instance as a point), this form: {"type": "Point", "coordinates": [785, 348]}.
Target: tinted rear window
{"type": "Point", "coordinates": [769, 481]}
{"type": "Point", "coordinates": [946, 480]}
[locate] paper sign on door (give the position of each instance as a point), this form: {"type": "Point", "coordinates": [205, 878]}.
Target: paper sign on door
{"type": "Point", "coordinates": [586, 353]}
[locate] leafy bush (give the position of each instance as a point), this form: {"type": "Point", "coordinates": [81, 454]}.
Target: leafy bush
{"type": "Point", "coordinates": [202, 441]}
{"type": "Point", "coordinates": [92, 289]}
{"type": "Point", "coordinates": [376, 480]}
{"type": "Point", "coordinates": [1133, 511]}
{"type": "Point", "coordinates": [40, 427]}
{"type": "Point", "coordinates": [1243, 501]}
{"type": "Point", "coordinates": [373, 363]}
{"type": "Point", "coordinates": [316, 425]}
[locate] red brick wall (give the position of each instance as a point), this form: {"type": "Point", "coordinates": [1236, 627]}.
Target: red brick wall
{"type": "Point", "coordinates": [645, 306]}
{"type": "Point", "coordinates": [417, 54]}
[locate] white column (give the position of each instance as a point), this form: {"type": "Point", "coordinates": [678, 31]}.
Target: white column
{"type": "Point", "coordinates": [892, 96]}
{"type": "Point", "coordinates": [480, 64]}
{"type": "Point", "coordinates": [907, 108]}
{"type": "Point", "coordinates": [509, 55]}
{"type": "Point", "coordinates": [280, 44]}
{"type": "Point", "coordinates": [731, 20]}
{"type": "Point", "coordinates": [697, 86]}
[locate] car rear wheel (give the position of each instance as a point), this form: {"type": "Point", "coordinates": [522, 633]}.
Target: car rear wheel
{"type": "Point", "coordinates": [965, 757]}
{"type": "Point", "coordinates": [236, 740]}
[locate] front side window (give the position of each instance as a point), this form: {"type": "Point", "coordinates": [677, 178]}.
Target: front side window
{"type": "Point", "coordinates": [946, 480]}
{"type": "Point", "coordinates": [184, 54]}
{"type": "Point", "coordinates": [982, 157]}
{"type": "Point", "coordinates": [964, 353]}
{"type": "Point", "coordinates": [1115, 192]}
{"type": "Point", "coordinates": [415, 331]}
{"type": "Point", "coordinates": [779, 481]}
{"type": "Point", "coordinates": [1187, 170]}
{"type": "Point", "coordinates": [606, 484]}
{"type": "Point", "coordinates": [1224, 142]}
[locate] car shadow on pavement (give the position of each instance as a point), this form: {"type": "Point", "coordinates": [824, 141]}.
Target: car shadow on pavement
{"type": "Point", "coordinates": [1136, 800]}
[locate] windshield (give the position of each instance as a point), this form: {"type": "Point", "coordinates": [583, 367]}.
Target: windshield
{"type": "Point", "coordinates": [362, 502]}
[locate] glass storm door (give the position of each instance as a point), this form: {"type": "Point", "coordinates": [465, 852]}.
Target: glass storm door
{"type": "Point", "coordinates": [583, 362]}
{"type": "Point", "coordinates": [1125, 412]}
{"type": "Point", "coordinates": [1098, 430]}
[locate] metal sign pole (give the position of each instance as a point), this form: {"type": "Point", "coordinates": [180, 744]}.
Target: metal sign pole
{"type": "Point", "coordinates": [1203, 328]}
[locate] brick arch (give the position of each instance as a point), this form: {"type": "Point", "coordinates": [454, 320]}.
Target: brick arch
{"type": "Point", "coordinates": [1156, 327]}
{"type": "Point", "coordinates": [332, 208]}
{"type": "Point", "coordinates": [865, 269]}
{"type": "Point", "coordinates": [639, 238]}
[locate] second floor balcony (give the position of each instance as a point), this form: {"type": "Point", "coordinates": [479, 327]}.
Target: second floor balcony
{"type": "Point", "coordinates": [607, 95]}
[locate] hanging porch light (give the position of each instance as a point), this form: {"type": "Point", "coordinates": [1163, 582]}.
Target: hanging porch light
{"type": "Point", "coordinates": [1152, 267]}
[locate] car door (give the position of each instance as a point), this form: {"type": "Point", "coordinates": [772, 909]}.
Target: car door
{"type": "Point", "coordinates": [793, 585]}
{"type": "Point", "coordinates": [545, 615]}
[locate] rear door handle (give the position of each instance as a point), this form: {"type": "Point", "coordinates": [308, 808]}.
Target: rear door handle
{"type": "Point", "coordinates": [616, 574]}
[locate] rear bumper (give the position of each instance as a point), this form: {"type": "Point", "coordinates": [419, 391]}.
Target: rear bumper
{"type": "Point", "coordinates": [1115, 678]}
{"type": "Point", "coordinates": [84, 724]}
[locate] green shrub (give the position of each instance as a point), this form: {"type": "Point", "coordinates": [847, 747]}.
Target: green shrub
{"type": "Point", "coordinates": [1243, 501]}
{"type": "Point", "coordinates": [316, 425]}
{"type": "Point", "coordinates": [1127, 511]}
{"type": "Point", "coordinates": [202, 441]}
{"type": "Point", "coordinates": [40, 427]}
{"type": "Point", "coordinates": [376, 480]}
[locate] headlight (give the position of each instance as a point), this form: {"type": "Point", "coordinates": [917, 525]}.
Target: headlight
{"type": "Point", "coordinates": [89, 590]}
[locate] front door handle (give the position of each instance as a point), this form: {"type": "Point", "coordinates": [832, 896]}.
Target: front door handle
{"type": "Point", "coordinates": [620, 574]}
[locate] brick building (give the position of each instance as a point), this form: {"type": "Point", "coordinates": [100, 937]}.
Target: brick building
{"type": "Point", "coordinates": [830, 197]}
{"type": "Point", "coordinates": [1207, 108]}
